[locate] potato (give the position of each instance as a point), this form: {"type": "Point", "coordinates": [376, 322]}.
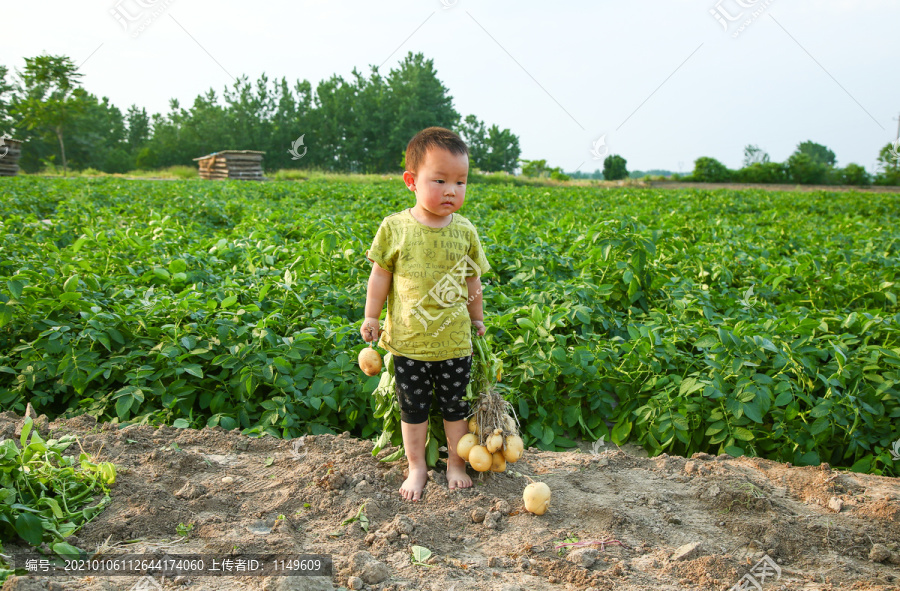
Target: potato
{"type": "Point", "coordinates": [498, 462]}
{"type": "Point", "coordinates": [369, 361]}
{"type": "Point", "coordinates": [513, 449]}
{"type": "Point", "coordinates": [537, 497]}
{"type": "Point", "coordinates": [465, 445]}
{"type": "Point", "coordinates": [473, 427]}
{"type": "Point", "coordinates": [495, 441]}
{"type": "Point", "coordinates": [480, 458]}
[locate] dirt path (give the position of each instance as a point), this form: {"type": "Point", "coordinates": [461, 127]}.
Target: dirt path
{"type": "Point", "coordinates": [699, 523]}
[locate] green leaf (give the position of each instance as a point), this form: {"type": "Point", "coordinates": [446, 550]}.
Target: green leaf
{"type": "Point", "coordinates": [689, 386]}
{"type": "Point", "coordinates": [15, 288]}
{"type": "Point", "coordinates": [734, 451]}
{"type": "Point", "coordinates": [420, 553]}
{"type": "Point", "coordinates": [30, 528]}
{"type": "Point", "coordinates": [177, 266]}
{"type": "Point", "coordinates": [621, 431]}
{"type": "Point", "coordinates": [784, 398]}
{"type": "Point", "coordinates": [742, 433]}
{"type": "Point", "coordinates": [26, 429]}
{"type": "Point", "coordinates": [229, 301]}
{"type": "Point", "coordinates": [525, 323]}
{"type": "Point", "coordinates": [706, 342]}
{"type": "Point", "coordinates": [194, 369]}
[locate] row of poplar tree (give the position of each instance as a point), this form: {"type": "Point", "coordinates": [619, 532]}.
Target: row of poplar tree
{"type": "Point", "coordinates": [358, 125]}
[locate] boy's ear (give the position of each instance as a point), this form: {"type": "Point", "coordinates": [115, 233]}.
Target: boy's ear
{"type": "Point", "coordinates": [410, 180]}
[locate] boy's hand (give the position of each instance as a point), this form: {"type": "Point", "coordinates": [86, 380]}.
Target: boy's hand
{"type": "Point", "coordinates": [479, 325]}
{"type": "Point", "coordinates": [370, 330]}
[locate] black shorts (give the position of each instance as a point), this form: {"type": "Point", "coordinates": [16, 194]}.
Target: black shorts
{"type": "Point", "coordinates": [415, 380]}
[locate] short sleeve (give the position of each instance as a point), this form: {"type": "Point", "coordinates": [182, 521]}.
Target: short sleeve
{"type": "Point", "coordinates": [476, 253]}
{"type": "Point", "coordinates": [384, 248]}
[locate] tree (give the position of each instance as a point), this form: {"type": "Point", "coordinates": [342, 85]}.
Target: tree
{"type": "Point", "coordinates": [805, 170]}
{"type": "Point", "coordinates": [710, 170]}
{"type": "Point", "coordinates": [889, 162]}
{"type": "Point", "coordinates": [854, 174]}
{"type": "Point", "coordinates": [503, 150]}
{"type": "Point", "coordinates": [754, 155]}
{"type": "Point", "coordinates": [6, 90]}
{"type": "Point", "coordinates": [138, 123]}
{"type": "Point", "coordinates": [614, 168]}
{"type": "Point", "coordinates": [817, 152]}
{"type": "Point", "coordinates": [539, 168]}
{"type": "Point", "coordinates": [45, 96]}
{"type": "Point", "coordinates": [491, 150]}
{"type": "Point", "coordinates": [418, 100]}
{"type": "Point", "coordinates": [473, 132]}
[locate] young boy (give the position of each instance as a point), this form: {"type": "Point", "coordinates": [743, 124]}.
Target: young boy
{"type": "Point", "coordinates": [427, 261]}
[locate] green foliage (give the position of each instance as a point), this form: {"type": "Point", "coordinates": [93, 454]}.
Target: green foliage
{"type": "Point", "coordinates": [358, 124]}
{"type": "Point", "coordinates": [48, 98]}
{"type": "Point", "coordinates": [710, 170]}
{"type": "Point", "coordinates": [804, 170]}
{"type": "Point", "coordinates": [854, 174]}
{"type": "Point", "coordinates": [762, 172]}
{"type": "Point", "coordinates": [490, 150]}
{"type": "Point", "coordinates": [817, 152]}
{"type": "Point", "coordinates": [746, 322]}
{"type": "Point", "coordinates": [45, 496]}
{"type": "Point", "coordinates": [889, 163]}
{"type": "Point", "coordinates": [539, 169]}
{"type": "Point", "coordinates": [614, 168]}
{"type": "Point", "coordinates": [754, 155]}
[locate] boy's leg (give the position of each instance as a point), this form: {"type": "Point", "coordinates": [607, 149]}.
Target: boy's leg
{"type": "Point", "coordinates": [413, 385]}
{"type": "Point", "coordinates": [456, 466]}
{"type": "Point", "coordinates": [451, 378]}
{"type": "Point", "coordinates": [414, 436]}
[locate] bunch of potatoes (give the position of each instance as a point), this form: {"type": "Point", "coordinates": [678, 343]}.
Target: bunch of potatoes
{"type": "Point", "coordinates": [497, 449]}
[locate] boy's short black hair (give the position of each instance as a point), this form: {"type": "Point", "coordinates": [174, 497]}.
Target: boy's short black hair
{"type": "Point", "coordinates": [432, 137]}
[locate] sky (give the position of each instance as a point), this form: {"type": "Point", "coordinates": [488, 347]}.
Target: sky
{"type": "Point", "coordinates": [659, 82]}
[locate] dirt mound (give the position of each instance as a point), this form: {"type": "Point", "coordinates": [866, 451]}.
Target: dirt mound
{"type": "Point", "coordinates": [664, 522]}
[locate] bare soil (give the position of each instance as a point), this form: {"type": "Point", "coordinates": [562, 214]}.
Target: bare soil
{"type": "Point", "coordinates": [677, 523]}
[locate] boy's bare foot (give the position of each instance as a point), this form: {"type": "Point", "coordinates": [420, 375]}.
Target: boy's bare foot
{"type": "Point", "coordinates": [457, 476]}
{"type": "Point", "coordinates": [412, 487]}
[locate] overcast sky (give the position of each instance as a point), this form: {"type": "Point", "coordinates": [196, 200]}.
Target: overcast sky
{"type": "Point", "coordinates": [661, 82]}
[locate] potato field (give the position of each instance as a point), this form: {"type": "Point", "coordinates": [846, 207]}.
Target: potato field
{"type": "Point", "coordinates": [742, 322]}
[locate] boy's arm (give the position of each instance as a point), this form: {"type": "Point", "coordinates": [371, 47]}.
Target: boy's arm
{"type": "Point", "coordinates": [376, 294]}
{"type": "Point", "coordinates": [476, 310]}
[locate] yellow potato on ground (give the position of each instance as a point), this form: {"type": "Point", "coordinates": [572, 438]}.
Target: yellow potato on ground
{"type": "Point", "coordinates": [537, 497]}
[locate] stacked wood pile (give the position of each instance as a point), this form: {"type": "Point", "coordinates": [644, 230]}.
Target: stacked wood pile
{"type": "Point", "coordinates": [243, 165]}
{"type": "Point", "coordinates": [10, 150]}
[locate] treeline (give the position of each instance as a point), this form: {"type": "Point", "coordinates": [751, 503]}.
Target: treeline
{"type": "Point", "coordinates": [358, 125]}
{"type": "Point", "coordinates": [810, 164]}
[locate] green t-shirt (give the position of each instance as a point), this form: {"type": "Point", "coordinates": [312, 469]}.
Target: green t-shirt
{"type": "Point", "coordinates": [427, 314]}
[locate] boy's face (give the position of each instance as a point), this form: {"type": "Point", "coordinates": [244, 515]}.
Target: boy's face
{"type": "Point", "coordinates": [440, 182]}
